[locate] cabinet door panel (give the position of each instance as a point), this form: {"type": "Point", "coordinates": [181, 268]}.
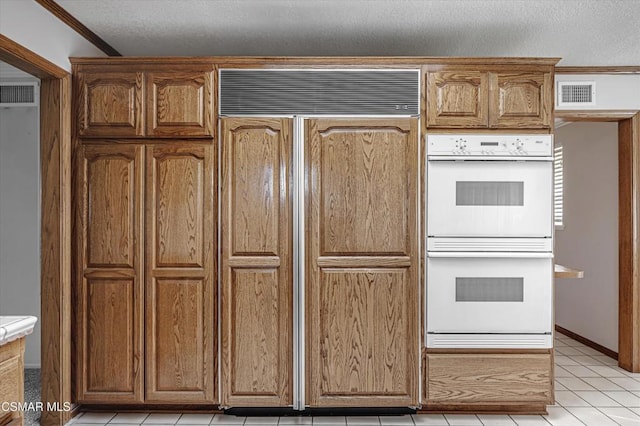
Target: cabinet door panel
{"type": "Point", "coordinates": [257, 267]}
{"type": "Point", "coordinates": [110, 104]}
{"type": "Point", "coordinates": [109, 274]}
{"type": "Point", "coordinates": [457, 99]}
{"type": "Point", "coordinates": [362, 287]}
{"type": "Point", "coordinates": [180, 290]}
{"type": "Point", "coordinates": [521, 100]}
{"type": "Point", "coordinates": [180, 103]}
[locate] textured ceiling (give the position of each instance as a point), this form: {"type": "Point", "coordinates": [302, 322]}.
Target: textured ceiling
{"type": "Point", "coordinates": [582, 32]}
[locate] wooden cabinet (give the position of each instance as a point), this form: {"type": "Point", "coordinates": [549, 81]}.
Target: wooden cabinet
{"type": "Point", "coordinates": [109, 295]}
{"type": "Point", "coordinates": [164, 103]}
{"type": "Point", "coordinates": [11, 381]}
{"type": "Point", "coordinates": [362, 282]}
{"type": "Point", "coordinates": [477, 99]}
{"type": "Point", "coordinates": [179, 103]}
{"type": "Point", "coordinates": [257, 271]}
{"type": "Point", "coordinates": [180, 251]}
{"type": "Point", "coordinates": [110, 104]}
{"type": "Point", "coordinates": [172, 285]}
{"type": "Point", "coordinates": [521, 100]}
{"type": "Point", "coordinates": [457, 99]}
{"type": "Point", "coordinates": [486, 381]}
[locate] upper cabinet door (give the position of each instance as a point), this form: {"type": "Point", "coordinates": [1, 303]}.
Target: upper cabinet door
{"type": "Point", "coordinates": [457, 99]}
{"type": "Point", "coordinates": [180, 103]}
{"type": "Point", "coordinates": [521, 100]}
{"type": "Point", "coordinates": [110, 104]}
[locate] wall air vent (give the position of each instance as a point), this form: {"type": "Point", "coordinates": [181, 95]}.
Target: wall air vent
{"type": "Point", "coordinates": [19, 94]}
{"type": "Point", "coordinates": [319, 92]}
{"type": "Point", "coordinates": [576, 93]}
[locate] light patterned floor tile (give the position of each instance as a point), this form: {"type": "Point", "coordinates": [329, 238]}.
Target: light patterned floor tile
{"type": "Point", "coordinates": [396, 420]}
{"type": "Point", "coordinates": [597, 399]}
{"type": "Point", "coordinates": [296, 420]}
{"type": "Point", "coordinates": [607, 371]}
{"type": "Point", "coordinates": [496, 420]}
{"type": "Point", "coordinates": [429, 419]}
{"type": "Point", "coordinates": [559, 386]}
{"type": "Point", "coordinates": [568, 350]}
{"type": "Point", "coordinates": [559, 416]}
{"type": "Point", "coordinates": [606, 360]}
{"type": "Point", "coordinates": [561, 372]}
{"type": "Point", "coordinates": [95, 418]}
{"type": "Point", "coordinates": [574, 383]}
{"type": "Point", "coordinates": [330, 420]}
{"type": "Point", "coordinates": [588, 351]}
{"type": "Point", "coordinates": [591, 416]}
{"type": "Point", "coordinates": [261, 420]}
{"type": "Point", "coordinates": [129, 418]}
{"type": "Point", "coordinates": [602, 384]}
{"type": "Point", "coordinates": [585, 360]}
{"type": "Point", "coordinates": [363, 420]}
{"type": "Point", "coordinates": [626, 383]}
{"type": "Point", "coordinates": [624, 398]}
{"type": "Point", "coordinates": [524, 420]}
{"type": "Point", "coordinates": [581, 371]}
{"type": "Point", "coordinates": [195, 419]}
{"type": "Point", "coordinates": [621, 415]}
{"type": "Point", "coordinates": [162, 419]}
{"type": "Point", "coordinates": [463, 420]}
{"type": "Point", "coordinates": [565, 360]}
{"type": "Point", "coordinates": [225, 419]}
{"type": "Point", "coordinates": [570, 399]}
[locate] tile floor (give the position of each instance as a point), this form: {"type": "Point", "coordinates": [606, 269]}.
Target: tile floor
{"type": "Point", "coordinates": [590, 390]}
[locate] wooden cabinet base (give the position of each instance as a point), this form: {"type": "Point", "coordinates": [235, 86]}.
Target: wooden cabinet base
{"type": "Point", "coordinates": [12, 380]}
{"type": "Point", "coordinates": [488, 382]}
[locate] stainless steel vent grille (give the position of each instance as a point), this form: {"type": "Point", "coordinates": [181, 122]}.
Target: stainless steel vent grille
{"type": "Point", "coordinates": [319, 92]}
{"type": "Point", "coordinates": [18, 95]}
{"type": "Point", "coordinates": [576, 93]}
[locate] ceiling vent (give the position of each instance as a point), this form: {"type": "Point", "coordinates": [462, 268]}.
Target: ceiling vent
{"type": "Point", "coordinates": [19, 94]}
{"type": "Point", "coordinates": [319, 92]}
{"type": "Point", "coordinates": [576, 93]}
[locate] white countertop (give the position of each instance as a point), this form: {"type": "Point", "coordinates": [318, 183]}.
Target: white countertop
{"type": "Point", "coordinates": [14, 327]}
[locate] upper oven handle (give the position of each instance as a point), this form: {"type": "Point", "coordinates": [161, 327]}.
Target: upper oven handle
{"type": "Point", "coordinates": [493, 254]}
{"type": "Point", "coordinates": [485, 158]}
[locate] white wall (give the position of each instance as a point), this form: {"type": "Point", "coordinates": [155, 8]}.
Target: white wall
{"type": "Point", "coordinates": [29, 24]}
{"type": "Point", "coordinates": [20, 215]}
{"type": "Point", "coordinates": [613, 91]}
{"type": "Point", "coordinates": [589, 241]}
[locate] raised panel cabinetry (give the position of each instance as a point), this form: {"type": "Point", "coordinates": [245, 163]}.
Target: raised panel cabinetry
{"type": "Point", "coordinates": [179, 273]}
{"type": "Point", "coordinates": [362, 300]}
{"type": "Point", "coordinates": [257, 281]}
{"type": "Point", "coordinates": [477, 99]}
{"type": "Point", "coordinates": [109, 296]}
{"type": "Point", "coordinates": [179, 103]}
{"type": "Point", "coordinates": [457, 99]}
{"type": "Point", "coordinates": [110, 104]}
{"type": "Point", "coordinates": [167, 104]}
{"type": "Point", "coordinates": [145, 283]}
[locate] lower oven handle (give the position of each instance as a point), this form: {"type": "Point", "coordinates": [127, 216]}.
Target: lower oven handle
{"type": "Point", "coordinates": [477, 254]}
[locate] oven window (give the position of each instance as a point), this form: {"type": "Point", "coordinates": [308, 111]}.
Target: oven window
{"type": "Point", "coordinates": [489, 289]}
{"type": "Point", "coordinates": [474, 193]}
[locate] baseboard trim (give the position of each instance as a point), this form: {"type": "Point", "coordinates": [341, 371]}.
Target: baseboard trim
{"type": "Point", "coordinates": [593, 345]}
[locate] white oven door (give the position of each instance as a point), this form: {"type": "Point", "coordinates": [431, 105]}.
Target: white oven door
{"type": "Point", "coordinates": [470, 293]}
{"type": "Point", "coordinates": [489, 198]}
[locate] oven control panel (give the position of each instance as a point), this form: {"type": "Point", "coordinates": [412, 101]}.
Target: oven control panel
{"type": "Point", "coordinates": [491, 145]}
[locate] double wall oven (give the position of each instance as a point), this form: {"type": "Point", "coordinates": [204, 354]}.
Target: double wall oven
{"type": "Point", "coordinates": [489, 266]}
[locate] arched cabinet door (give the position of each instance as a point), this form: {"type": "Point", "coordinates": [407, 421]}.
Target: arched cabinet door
{"type": "Point", "coordinates": [457, 99]}
{"type": "Point", "coordinates": [180, 279]}
{"type": "Point", "coordinates": [520, 100]}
